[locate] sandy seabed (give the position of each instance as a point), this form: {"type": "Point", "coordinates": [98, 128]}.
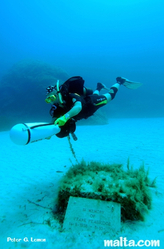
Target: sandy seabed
{"type": "Point", "coordinates": [30, 175]}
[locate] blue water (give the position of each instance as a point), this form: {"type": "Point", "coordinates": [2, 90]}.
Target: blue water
{"type": "Point", "coordinates": [98, 40]}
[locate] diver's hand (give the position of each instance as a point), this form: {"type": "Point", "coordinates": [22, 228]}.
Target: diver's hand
{"type": "Point", "coordinates": [62, 120]}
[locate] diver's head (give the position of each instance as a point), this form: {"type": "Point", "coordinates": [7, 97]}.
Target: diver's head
{"type": "Point", "coordinates": [53, 94]}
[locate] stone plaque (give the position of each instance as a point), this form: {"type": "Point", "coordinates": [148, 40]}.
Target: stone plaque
{"type": "Point", "coordinates": [92, 215]}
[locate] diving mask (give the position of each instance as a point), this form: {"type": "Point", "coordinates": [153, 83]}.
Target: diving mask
{"type": "Point", "coordinates": [53, 94]}
{"type": "Point", "coordinates": [50, 99]}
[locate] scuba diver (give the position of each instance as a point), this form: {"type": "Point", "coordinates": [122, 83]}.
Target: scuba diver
{"type": "Point", "coordinates": [72, 101]}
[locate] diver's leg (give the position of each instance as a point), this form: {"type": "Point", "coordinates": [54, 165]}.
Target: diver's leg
{"type": "Point", "coordinates": [100, 86]}
{"type": "Point", "coordinates": [103, 99]}
{"type": "Point", "coordinates": [112, 92]}
{"type": "Point", "coordinates": [96, 92]}
{"type": "Point", "coordinates": [87, 91]}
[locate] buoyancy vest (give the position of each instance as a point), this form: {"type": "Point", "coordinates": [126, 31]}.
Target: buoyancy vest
{"type": "Point", "coordinates": [72, 85]}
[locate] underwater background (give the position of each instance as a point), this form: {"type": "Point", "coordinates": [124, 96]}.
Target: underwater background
{"type": "Point", "coordinates": [98, 40]}
{"type": "Point", "coordinates": [42, 41]}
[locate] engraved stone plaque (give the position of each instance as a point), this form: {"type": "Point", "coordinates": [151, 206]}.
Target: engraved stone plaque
{"type": "Point", "coordinates": [92, 215]}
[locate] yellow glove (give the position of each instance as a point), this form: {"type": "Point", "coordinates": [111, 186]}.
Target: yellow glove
{"type": "Point", "coordinates": [62, 120]}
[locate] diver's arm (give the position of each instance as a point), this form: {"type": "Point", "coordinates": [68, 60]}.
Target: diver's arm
{"type": "Point", "coordinates": [75, 110]}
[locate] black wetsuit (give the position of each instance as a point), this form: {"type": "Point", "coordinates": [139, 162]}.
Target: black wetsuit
{"type": "Point", "coordinates": [90, 104]}
{"type": "Point", "coordinates": [72, 91]}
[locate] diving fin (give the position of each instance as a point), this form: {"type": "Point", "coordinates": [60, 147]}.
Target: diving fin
{"type": "Point", "coordinates": [131, 84]}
